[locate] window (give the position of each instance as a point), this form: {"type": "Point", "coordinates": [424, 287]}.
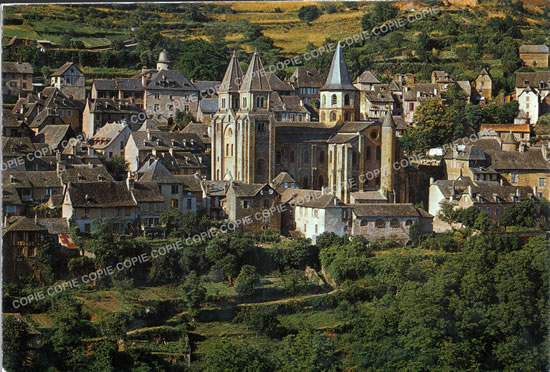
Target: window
{"type": "Point", "coordinates": [364, 223]}
{"type": "Point", "coordinates": [379, 223]}
{"type": "Point", "coordinates": [186, 108]}
{"type": "Point", "coordinates": [119, 212]}
{"type": "Point", "coordinates": [367, 153]}
{"type": "Point", "coordinates": [514, 178]}
{"type": "Point", "coordinates": [48, 192]}
{"type": "Point", "coordinates": [292, 156]}
{"type": "Point", "coordinates": [69, 113]}
{"type": "Point", "coordinates": [377, 152]}
{"type": "Point", "coordinates": [87, 227]}
{"type": "Point", "coordinates": [497, 211]}
{"type": "Point", "coordinates": [244, 102]}
{"type": "Point", "coordinates": [346, 100]}
{"type": "Point", "coordinates": [305, 227]}
{"type": "Point", "coordinates": [174, 203]}
{"type": "Point", "coordinates": [322, 157]}
{"type": "Point", "coordinates": [260, 101]}
{"type": "Point", "coordinates": [266, 203]}
{"type": "Point", "coordinates": [157, 95]}
{"type": "Point", "coordinates": [334, 100]}
{"type": "Point", "coordinates": [394, 223]}
{"type": "Point", "coordinates": [244, 204]}
{"type": "Point", "coordinates": [189, 203]}
{"type": "Point", "coordinates": [156, 107]}
{"type": "Point", "coordinates": [489, 211]}
{"type": "Point", "coordinates": [86, 212]}
{"type": "Point", "coordinates": [306, 156]}
{"type": "Point", "coordinates": [316, 229]}
{"type": "Point", "coordinates": [324, 102]}
{"type": "Point", "coordinates": [321, 181]}
{"type": "Point", "coordinates": [542, 182]}
{"type": "Point", "coordinates": [278, 157]}
{"type": "Point", "coordinates": [175, 189]}
{"type": "Point", "coordinates": [333, 116]}
{"type": "Point", "coordinates": [223, 102]}
{"type": "Point", "coordinates": [408, 223]}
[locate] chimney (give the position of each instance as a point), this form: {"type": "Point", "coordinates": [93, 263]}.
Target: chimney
{"type": "Point", "coordinates": [149, 137]}
{"type": "Point", "coordinates": [432, 180]}
{"type": "Point", "coordinates": [130, 181]}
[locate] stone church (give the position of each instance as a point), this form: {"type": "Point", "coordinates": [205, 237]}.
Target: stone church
{"type": "Point", "coordinates": [339, 151]}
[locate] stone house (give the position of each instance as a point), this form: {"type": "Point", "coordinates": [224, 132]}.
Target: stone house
{"type": "Point", "coordinates": [254, 207]}
{"type": "Point", "coordinates": [70, 80]}
{"type": "Point", "coordinates": [111, 139]}
{"type": "Point", "coordinates": [16, 78]}
{"type": "Point", "coordinates": [388, 221]}
{"type": "Point", "coordinates": [534, 55]}
{"type": "Point", "coordinates": [307, 83]}
{"type": "Point", "coordinates": [533, 94]}
{"type": "Point", "coordinates": [484, 85]}
{"type": "Point", "coordinates": [100, 111]}
{"type": "Point", "coordinates": [414, 96]}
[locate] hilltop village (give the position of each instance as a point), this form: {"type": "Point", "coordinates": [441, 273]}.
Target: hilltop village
{"type": "Point", "coordinates": [254, 142]}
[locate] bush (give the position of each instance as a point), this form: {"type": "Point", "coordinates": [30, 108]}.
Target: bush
{"type": "Point", "coordinates": [309, 13]}
{"type": "Point", "coordinates": [262, 319]}
{"type": "Point", "coordinates": [246, 281]}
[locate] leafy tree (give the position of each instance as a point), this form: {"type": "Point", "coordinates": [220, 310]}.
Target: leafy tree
{"type": "Point", "coordinates": [165, 268]}
{"type": "Point", "coordinates": [15, 336]}
{"type": "Point", "coordinates": [183, 118]}
{"type": "Point", "coordinates": [246, 281]}
{"type": "Point", "coordinates": [308, 351]}
{"type": "Point", "coordinates": [309, 13]}
{"type": "Point", "coordinates": [80, 265]}
{"type": "Point", "coordinates": [432, 127]}
{"type": "Point", "coordinates": [262, 319]}
{"type": "Point", "coordinates": [194, 292]}
{"type": "Point", "coordinates": [381, 13]}
{"type": "Point", "coordinates": [524, 214]}
{"type": "Point", "coordinates": [225, 355]}
{"type": "Point", "coordinates": [117, 167]}
{"type": "Point", "coordinates": [191, 62]}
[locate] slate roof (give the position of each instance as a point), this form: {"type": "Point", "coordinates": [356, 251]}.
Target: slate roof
{"type": "Point", "coordinates": [400, 123]}
{"type": "Point", "coordinates": [54, 134]}
{"type": "Point", "coordinates": [255, 79]}
{"type": "Point", "coordinates": [535, 49]}
{"type": "Point", "coordinates": [55, 225]}
{"type": "Point", "coordinates": [147, 192]}
{"type": "Point", "coordinates": [45, 116]}
{"type": "Point", "coordinates": [209, 105]}
{"type": "Point", "coordinates": [100, 195]}
{"type": "Point", "coordinates": [281, 178]}
{"type": "Point", "coordinates": [323, 201]}
{"type": "Point", "coordinates": [338, 76]}
{"type": "Point", "coordinates": [388, 210]}
{"type": "Point", "coordinates": [170, 80]}
{"type": "Point", "coordinates": [111, 106]}
{"type": "Point", "coordinates": [15, 179]}
{"type": "Point", "coordinates": [361, 196]}
{"type": "Point", "coordinates": [17, 68]}
{"type": "Point", "coordinates": [277, 84]}
{"type": "Point", "coordinates": [207, 86]}
{"type": "Point", "coordinates": [60, 71]}
{"type": "Point", "coordinates": [299, 196]}
{"type": "Point", "coordinates": [343, 138]}
{"type": "Point", "coordinates": [155, 171]}
{"type": "Point", "coordinates": [21, 223]}
{"type": "Point", "coordinates": [286, 104]}
{"type": "Point", "coordinates": [533, 79]}
{"type": "Point", "coordinates": [498, 193]}
{"type": "Point", "coordinates": [108, 132]}
{"type": "Point", "coordinates": [9, 120]}
{"type": "Point", "coordinates": [426, 91]}
{"type": "Point", "coordinates": [367, 78]}
{"type": "Point", "coordinates": [531, 159]}
{"type": "Point", "coordinates": [355, 126]}
{"type": "Point", "coordinates": [10, 195]}
{"type": "Point", "coordinates": [380, 94]}
{"type": "Point", "coordinates": [85, 174]}
{"type": "Point", "coordinates": [201, 130]}
{"type": "Point", "coordinates": [16, 146]}
{"type": "Point", "coordinates": [465, 86]}
{"type": "Point", "coordinates": [43, 178]}
{"type": "Point", "coordinates": [306, 77]}
{"type": "Point", "coordinates": [181, 160]}
{"type": "Point", "coordinates": [453, 187]}
{"type": "Point", "coordinates": [190, 182]}
{"type": "Point", "coordinates": [233, 76]}
{"type": "Point", "coordinates": [163, 141]}
{"type": "Point", "coordinates": [246, 189]}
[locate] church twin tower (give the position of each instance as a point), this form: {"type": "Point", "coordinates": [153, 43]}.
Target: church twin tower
{"type": "Point", "coordinates": [247, 148]}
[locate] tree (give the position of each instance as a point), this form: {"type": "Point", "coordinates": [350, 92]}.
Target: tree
{"type": "Point", "coordinates": [309, 13]}
{"type": "Point", "coordinates": [432, 126]}
{"type": "Point", "coordinates": [381, 13]}
{"type": "Point", "coordinates": [191, 62]}
{"type": "Point", "coordinates": [117, 167]}
{"type": "Point", "coordinates": [524, 214]}
{"type": "Point", "coordinates": [194, 292]}
{"type": "Point", "coordinates": [262, 319]}
{"type": "Point", "coordinates": [15, 336]}
{"type": "Point", "coordinates": [183, 118]}
{"type": "Point", "coordinates": [308, 351]}
{"type": "Point", "coordinates": [225, 355]}
{"type": "Point", "coordinates": [246, 281]}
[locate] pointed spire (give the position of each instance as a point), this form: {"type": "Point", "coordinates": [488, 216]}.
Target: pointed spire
{"type": "Point", "coordinates": [388, 121]}
{"type": "Point", "coordinates": [256, 77]}
{"type": "Point", "coordinates": [233, 76]}
{"type": "Point", "coordinates": [338, 75]}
